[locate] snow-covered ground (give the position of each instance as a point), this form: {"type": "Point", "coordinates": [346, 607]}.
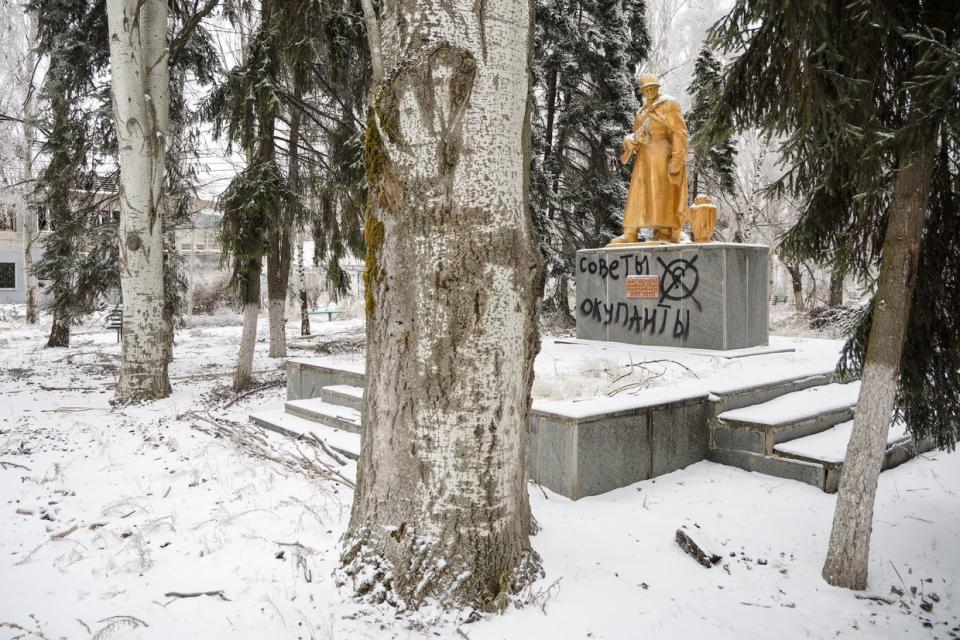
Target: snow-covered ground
{"type": "Point", "coordinates": [107, 510]}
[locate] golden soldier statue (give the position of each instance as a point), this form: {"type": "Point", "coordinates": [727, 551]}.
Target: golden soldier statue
{"type": "Point", "coordinates": [657, 198]}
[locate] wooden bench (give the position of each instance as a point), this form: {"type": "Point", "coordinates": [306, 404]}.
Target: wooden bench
{"type": "Point", "coordinates": [328, 312]}
{"type": "Point", "coordinates": [779, 300]}
{"type": "Point", "coordinates": [115, 321]}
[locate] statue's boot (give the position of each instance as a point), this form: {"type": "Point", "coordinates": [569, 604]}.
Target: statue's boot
{"type": "Point", "coordinates": [667, 235]}
{"type": "Point", "coordinates": [630, 234]}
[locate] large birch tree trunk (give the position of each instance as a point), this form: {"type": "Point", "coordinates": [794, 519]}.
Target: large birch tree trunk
{"type": "Point", "coordinates": [848, 555]}
{"type": "Point", "coordinates": [452, 280]}
{"type": "Point", "coordinates": [141, 99]}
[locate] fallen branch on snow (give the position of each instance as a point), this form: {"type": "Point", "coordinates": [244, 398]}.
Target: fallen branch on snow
{"type": "Point", "coordinates": [253, 442]}
{"type": "Point", "coordinates": [269, 385]}
{"type": "Point", "coordinates": [63, 534]}
{"type": "Point", "coordinates": [114, 623]}
{"type": "Point", "coordinates": [196, 594]}
{"type": "Point", "coordinates": [698, 546]}
{"type": "Point", "coordinates": [859, 596]}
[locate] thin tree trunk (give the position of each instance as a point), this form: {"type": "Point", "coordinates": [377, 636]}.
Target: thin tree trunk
{"type": "Point", "coordinates": [796, 278]}
{"type": "Point", "coordinates": [169, 300]}
{"type": "Point", "coordinates": [278, 275]}
{"type": "Point", "coordinates": [302, 283]}
{"type": "Point", "coordinates": [561, 300]}
{"type": "Point", "coordinates": [452, 279]}
{"type": "Point", "coordinates": [848, 555]}
{"type": "Point", "coordinates": [243, 376]}
{"type": "Point", "coordinates": [30, 231]}
{"type": "Point", "coordinates": [141, 101]}
{"type": "Point", "coordinates": [293, 175]}
{"type": "Point", "coordinates": [836, 289]}
{"type": "Point", "coordinates": [551, 101]}
{"type": "Point", "coordinates": [60, 242]}
{"type": "Point", "coordinates": [59, 332]}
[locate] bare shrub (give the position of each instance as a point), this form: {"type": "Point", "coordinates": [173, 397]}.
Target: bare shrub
{"type": "Point", "coordinates": [212, 293]}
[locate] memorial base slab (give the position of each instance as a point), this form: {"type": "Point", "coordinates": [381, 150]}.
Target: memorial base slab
{"type": "Point", "coordinates": [700, 296]}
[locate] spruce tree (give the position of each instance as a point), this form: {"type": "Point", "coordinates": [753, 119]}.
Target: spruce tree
{"type": "Point", "coordinates": [343, 80]}
{"type": "Point", "coordinates": [586, 53]}
{"type": "Point", "coordinates": [74, 112]}
{"type": "Point", "coordinates": [865, 96]}
{"type": "Point", "coordinates": [258, 202]}
{"type": "Point", "coordinates": [714, 160]}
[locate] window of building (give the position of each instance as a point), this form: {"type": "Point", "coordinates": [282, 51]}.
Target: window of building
{"type": "Point", "coordinates": [8, 275]}
{"type": "Point", "coordinates": [8, 219]}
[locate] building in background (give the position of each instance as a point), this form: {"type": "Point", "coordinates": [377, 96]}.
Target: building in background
{"type": "Point", "coordinates": [197, 241]}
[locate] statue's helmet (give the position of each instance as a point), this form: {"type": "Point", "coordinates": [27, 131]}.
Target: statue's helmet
{"type": "Point", "coordinates": [648, 80]}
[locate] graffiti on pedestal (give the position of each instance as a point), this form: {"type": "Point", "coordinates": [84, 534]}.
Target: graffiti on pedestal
{"type": "Point", "coordinates": [678, 282]}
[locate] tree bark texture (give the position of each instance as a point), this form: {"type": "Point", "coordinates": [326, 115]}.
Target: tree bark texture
{"type": "Point", "coordinates": [848, 554]}
{"type": "Point", "coordinates": [243, 375]}
{"type": "Point", "coordinates": [59, 332]}
{"type": "Point", "coordinates": [278, 276]}
{"type": "Point", "coordinates": [141, 100]}
{"type": "Point", "coordinates": [836, 289]}
{"type": "Point", "coordinates": [302, 284]}
{"type": "Point", "coordinates": [796, 278]}
{"type": "Point", "coordinates": [453, 276]}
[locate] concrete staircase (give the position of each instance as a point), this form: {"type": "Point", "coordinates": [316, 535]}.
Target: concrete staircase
{"type": "Point", "coordinates": [338, 408]}
{"type": "Point", "coordinates": [789, 427]}
{"type": "Point", "coordinates": [801, 435]}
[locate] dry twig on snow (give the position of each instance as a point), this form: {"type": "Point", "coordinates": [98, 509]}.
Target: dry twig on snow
{"type": "Point", "coordinates": [253, 442]}
{"type": "Point", "coordinates": [196, 594]}
{"type": "Point", "coordinates": [263, 387]}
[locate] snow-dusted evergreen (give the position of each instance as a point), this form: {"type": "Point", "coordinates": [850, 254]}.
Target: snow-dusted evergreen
{"type": "Point", "coordinates": [862, 157]}
{"type": "Point", "coordinates": [713, 161]}
{"type": "Point", "coordinates": [586, 54]}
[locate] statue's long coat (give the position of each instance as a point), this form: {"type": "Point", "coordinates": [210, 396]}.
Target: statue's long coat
{"type": "Point", "coordinates": [656, 197]}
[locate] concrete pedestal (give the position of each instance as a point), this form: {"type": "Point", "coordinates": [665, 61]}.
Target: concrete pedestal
{"type": "Point", "coordinates": [700, 296]}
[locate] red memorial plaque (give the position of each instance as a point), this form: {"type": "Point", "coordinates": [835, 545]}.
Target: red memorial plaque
{"type": "Point", "coordinates": [643, 287]}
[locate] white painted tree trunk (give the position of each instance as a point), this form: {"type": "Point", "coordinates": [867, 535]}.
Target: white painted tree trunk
{"type": "Point", "coordinates": [243, 376]}
{"type": "Point", "coordinates": [452, 279]}
{"type": "Point", "coordinates": [849, 552]}
{"type": "Point", "coordinates": [30, 231]}
{"type": "Point", "coordinates": [141, 98]}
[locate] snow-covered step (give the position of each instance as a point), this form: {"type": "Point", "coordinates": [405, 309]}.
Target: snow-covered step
{"type": "Point", "coordinates": [277, 419]}
{"type": "Point", "coordinates": [810, 473]}
{"type": "Point", "coordinates": [829, 448]}
{"type": "Point", "coordinates": [344, 395]}
{"type": "Point", "coordinates": [332, 415]}
{"type": "Point", "coordinates": [760, 427]}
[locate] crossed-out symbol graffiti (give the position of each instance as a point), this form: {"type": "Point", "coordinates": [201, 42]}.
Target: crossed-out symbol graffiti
{"type": "Point", "coordinates": [679, 280]}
